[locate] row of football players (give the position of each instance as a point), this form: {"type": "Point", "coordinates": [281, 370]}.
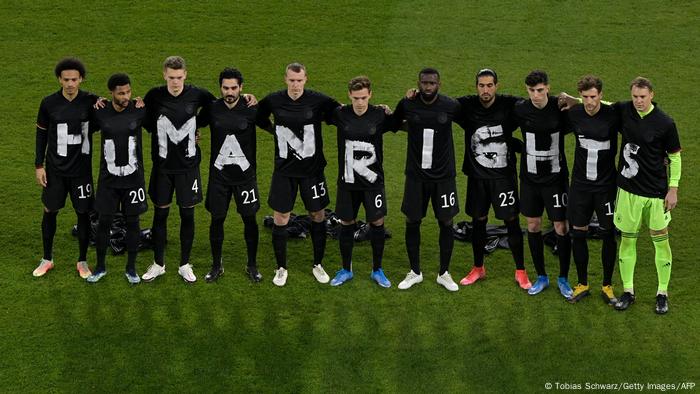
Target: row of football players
{"type": "Point", "coordinates": [174, 112]}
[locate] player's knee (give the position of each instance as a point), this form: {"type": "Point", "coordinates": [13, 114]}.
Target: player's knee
{"type": "Point", "coordinates": [280, 218]}
{"type": "Point", "coordinates": [378, 222]}
{"type": "Point", "coordinates": [413, 223]}
{"type": "Point", "coordinates": [577, 233]}
{"type": "Point", "coordinates": [561, 227]}
{"type": "Point", "coordinates": [317, 216]}
{"type": "Point", "coordinates": [166, 206]}
{"type": "Point", "coordinates": [249, 220]}
{"type": "Point", "coordinates": [445, 223]}
{"type": "Point", "coordinates": [663, 231]}
{"type": "Point", "coordinates": [347, 223]}
{"type": "Point", "coordinates": [534, 225]}
{"type": "Point", "coordinates": [187, 213]}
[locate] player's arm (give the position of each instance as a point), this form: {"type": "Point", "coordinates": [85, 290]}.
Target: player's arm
{"type": "Point", "coordinates": [42, 141]}
{"type": "Point", "coordinates": [262, 119]}
{"type": "Point", "coordinates": [330, 105]}
{"type": "Point", "coordinates": [149, 121]}
{"type": "Point", "coordinates": [673, 149]}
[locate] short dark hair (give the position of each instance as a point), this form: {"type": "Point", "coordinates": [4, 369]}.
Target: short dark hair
{"type": "Point", "coordinates": [589, 82]}
{"type": "Point", "coordinates": [174, 63]}
{"type": "Point", "coordinates": [486, 72]}
{"type": "Point", "coordinates": [536, 77]}
{"type": "Point", "coordinates": [70, 63]}
{"type": "Point", "coordinates": [119, 79]}
{"type": "Point", "coordinates": [230, 73]}
{"type": "Point", "coordinates": [295, 67]}
{"type": "Point", "coordinates": [641, 82]}
{"type": "Point", "coordinates": [359, 83]}
{"type": "Point", "coordinates": [429, 71]}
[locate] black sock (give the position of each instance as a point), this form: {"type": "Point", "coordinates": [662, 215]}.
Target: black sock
{"type": "Point", "coordinates": [447, 242]}
{"type": "Point", "coordinates": [133, 237]}
{"type": "Point", "coordinates": [608, 252]}
{"type": "Point", "coordinates": [318, 239]}
{"type": "Point", "coordinates": [579, 247]}
{"type": "Point", "coordinates": [564, 253]}
{"type": "Point", "coordinates": [251, 236]}
{"type": "Point", "coordinates": [101, 239]}
{"type": "Point", "coordinates": [216, 239]}
{"type": "Point", "coordinates": [279, 244]}
{"type": "Point", "coordinates": [83, 235]}
{"type": "Point", "coordinates": [48, 230]}
{"type": "Point", "coordinates": [515, 242]}
{"type": "Point", "coordinates": [159, 231]}
{"type": "Point", "coordinates": [478, 241]}
{"type": "Point", "coordinates": [413, 245]}
{"type": "Point", "coordinates": [346, 241]}
{"type": "Point", "coordinates": [376, 234]}
{"type": "Point", "coordinates": [186, 234]}
{"type": "Point", "coordinates": [536, 243]}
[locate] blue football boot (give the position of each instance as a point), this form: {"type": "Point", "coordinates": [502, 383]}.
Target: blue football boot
{"type": "Point", "coordinates": [381, 279]}
{"type": "Point", "coordinates": [341, 277]}
{"type": "Point", "coordinates": [540, 284]}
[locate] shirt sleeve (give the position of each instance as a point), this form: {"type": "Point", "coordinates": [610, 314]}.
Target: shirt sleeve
{"type": "Point", "coordinates": [672, 143]}
{"type": "Point", "coordinates": [262, 119]}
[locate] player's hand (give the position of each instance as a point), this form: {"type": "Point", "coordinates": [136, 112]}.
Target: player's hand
{"type": "Point", "coordinates": [197, 136]}
{"type": "Point", "coordinates": [139, 102]}
{"type": "Point", "coordinates": [41, 176]}
{"type": "Point", "coordinates": [411, 93]}
{"type": "Point", "coordinates": [250, 100]}
{"type": "Point", "coordinates": [671, 199]}
{"type": "Point", "coordinates": [100, 103]}
{"type": "Point", "coordinates": [386, 108]}
{"type": "Point", "coordinates": [566, 101]}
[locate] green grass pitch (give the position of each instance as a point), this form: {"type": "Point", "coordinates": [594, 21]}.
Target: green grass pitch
{"type": "Point", "coordinates": [61, 334]}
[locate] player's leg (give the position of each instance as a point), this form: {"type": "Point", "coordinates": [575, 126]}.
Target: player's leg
{"type": "Point", "coordinates": [107, 203]}
{"type": "Point", "coordinates": [580, 209]}
{"type": "Point", "coordinates": [133, 202]}
{"type": "Point", "coordinates": [477, 207]}
{"type": "Point", "coordinates": [376, 210]}
{"type": "Point", "coordinates": [555, 200]}
{"type": "Point", "coordinates": [248, 204]}
{"type": "Point", "coordinates": [53, 197]}
{"type": "Point", "coordinates": [347, 204]}
{"type": "Point", "coordinates": [659, 219]}
{"type": "Point", "coordinates": [629, 209]}
{"type": "Point", "coordinates": [160, 189]}
{"type": "Point", "coordinates": [605, 209]}
{"type": "Point", "coordinates": [414, 206]}
{"type": "Point", "coordinates": [188, 188]}
{"type": "Point", "coordinates": [283, 192]}
{"type": "Point", "coordinates": [445, 206]}
{"type": "Point", "coordinates": [217, 203]}
{"type": "Point", "coordinates": [532, 207]}
{"type": "Point", "coordinates": [314, 193]}
{"type": "Point", "coordinates": [81, 194]}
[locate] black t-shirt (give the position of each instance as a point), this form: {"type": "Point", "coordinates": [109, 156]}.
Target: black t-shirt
{"type": "Point", "coordinates": [121, 155]}
{"type": "Point", "coordinates": [487, 137]}
{"type": "Point", "coordinates": [297, 130]}
{"type": "Point", "coordinates": [430, 155]}
{"type": "Point", "coordinates": [645, 144]}
{"type": "Point", "coordinates": [543, 160]}
{"type": "Point", "coordinates": [596, 145]}
{"type": "Point", "coordinates": [233, 141]}
{"type": "Point", "coordinates": [69, 149]}
{"type": "Point", "coordinates": [172, 123]}
{"type": "Point", "coordinates": [360, 147]}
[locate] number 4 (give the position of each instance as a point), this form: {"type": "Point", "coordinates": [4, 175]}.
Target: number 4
{"type": "Point", "coordinates": [195, 187]}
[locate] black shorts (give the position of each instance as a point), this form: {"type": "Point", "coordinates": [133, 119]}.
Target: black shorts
{"type": "Point", "coordinates": [219, 195]}
{"type": "Point", "coordinates": [283, 192]}
{"type": "Point", "coordinates": [129, 201]}
{"type": "Point", "coordinates": [417, 194]}
{"type": "Point", "coordinates": [583, 201]}
{"type": "Point", "coordinates": [58, 187]}
{"type": "Point", "coordinates": [187, 186]}
{"type": "Point", "coordinates": [534, 198]}
{"type": "Point", "coordinates": [347, 204]}
{"type": "Point", "coordinates": [502, 194]}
